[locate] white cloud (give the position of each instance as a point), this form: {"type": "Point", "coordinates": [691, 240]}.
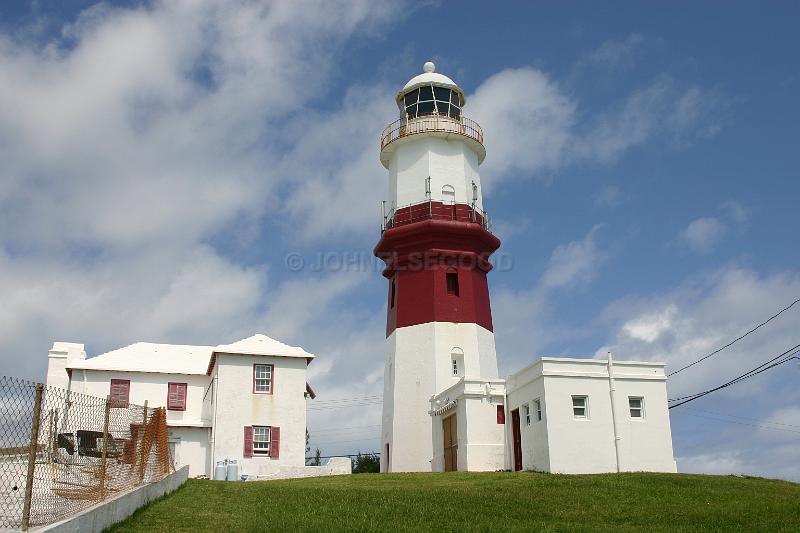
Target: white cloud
{"type": "Point", "coordinates": [527, 123]}
{"type": "Point", "coordinates": [522, 317]}
{"type": "Point", "coordinates": [613, 53]}
{"type": "Point", "coordinates": [664, 107]}
{"type": "Point", "coordinates": [158, 124]}
{"type": "Point", "coordinates": [334, 167]}
{"type": "Point", "coordinates": [684, 324]}
{"type": "Point", "coordinates": [609, 196]}
{"type": "Point", "coordinates": [573, 263]}
{"type": "Point", "coordinates": [736, 211]}
{"type": "Point", "coordinates": [648, 328]}
{"type": "Point", "coordinates": [693, 320]}
{"type": "Point", "coordinates": [702, 234]}
{"type": "Point", "coordinates": [133, 140]}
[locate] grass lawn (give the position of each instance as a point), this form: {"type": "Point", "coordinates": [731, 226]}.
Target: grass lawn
{"type": "Point", "coordinates": [457, 501]}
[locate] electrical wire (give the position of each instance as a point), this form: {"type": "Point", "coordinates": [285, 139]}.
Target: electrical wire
{"type": "Point", "coordinates": [763, 367]}
{"type": "Point", "coordinates": [340, 429]}
{"type": "Point", "coordinates": [734, 341]}
{"type": "Point", "coordinates": [344, 406]}
{"type": "Point", "coordinates": [741, 423]}
{"type": "Point", "coordinates": [760, 420]}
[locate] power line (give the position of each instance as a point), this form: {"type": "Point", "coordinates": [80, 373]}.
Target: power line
{"type": "Point", "coordinates": [343, 406]}
{"type": "Point", "coordinates": [344, 455]}
{"type": "Point", "coordinates": [734, 341]}
{"type": "Point", "coordinates": [694, 409]}
{"type": "Point", "coordinates": [763, 367]}
{"type": "Point", "coordinates": [744, 423]}
{"type": "Point", "coordinates": [338, 401]}
{"type": "Point", "coordinates": [340, 429]}
{"type": "Point", "coordinates": [751, 424]}
{"type": "Point", "coordinates": [325, 443]}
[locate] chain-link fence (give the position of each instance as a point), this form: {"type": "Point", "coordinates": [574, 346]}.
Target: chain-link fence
{"type": "Point", "coordinates": [61, 452]}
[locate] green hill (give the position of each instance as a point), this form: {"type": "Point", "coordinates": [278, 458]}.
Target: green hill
{"type": "Point", "coordinates": [522, 501]}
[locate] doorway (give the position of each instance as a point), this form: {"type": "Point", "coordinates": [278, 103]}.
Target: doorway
{"type": "Point", "coordinates": [450, 431]}
{"type": "Point", "coordinates": [517, 440]}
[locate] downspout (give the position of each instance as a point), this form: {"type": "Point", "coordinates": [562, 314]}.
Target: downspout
{"type": "Point", "coordinates": [506, 426]}
{"type": "Point", "coordinates": [215, 381]}
{"type": "Point", "coordinates": [612, 394]}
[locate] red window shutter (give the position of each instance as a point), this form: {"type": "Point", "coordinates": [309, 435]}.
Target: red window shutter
{"type": "Point", "coordinates": [274, 441]}
{"type": "Point", "coordinates": [176, 396]}
{"type": "Point", "coordinates": [501, 414]}
{"type": "Point", "coordinates": [120, 392]}
{"type": "Point", "coordinates": [248, 441]}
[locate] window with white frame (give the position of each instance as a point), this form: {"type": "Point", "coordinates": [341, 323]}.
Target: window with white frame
{"type": "Point", "coordinates": [262, 379]}
{"type": "Point", "coordinates": [261, 440]}
{"type": "Point", "coordinates": [636, 404]}
{"type": "Point", "coordinates": [580, 406]}
{"type": "Point", "coordinates": [537, 409]}
{"type": "Point", "coordinates": [526, 412]}
{"type": "Point", "coordinates": [457, 361]}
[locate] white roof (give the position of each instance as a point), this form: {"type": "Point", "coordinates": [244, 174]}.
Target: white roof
{"type": "Point", "coordinates": [262, 345]}
{"type": "Point", "coordinates": [429, 76]}
{"type": "Point", "coordinates": [181, 358]}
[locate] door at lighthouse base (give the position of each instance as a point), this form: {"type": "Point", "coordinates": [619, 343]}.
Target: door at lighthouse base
{"type": "Point", "coordinates": [450, 431]}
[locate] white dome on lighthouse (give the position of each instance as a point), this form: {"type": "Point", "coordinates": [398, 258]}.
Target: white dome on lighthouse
{"type": "Point", "coordinates": [429, 77]}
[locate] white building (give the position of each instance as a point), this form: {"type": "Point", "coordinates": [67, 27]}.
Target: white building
{"type": "Point", "coordinates": [444, 406]}
{"type": "Point", "coordinates": [570, 416]}
{"type": "Point", "coordinates": [244, 401]}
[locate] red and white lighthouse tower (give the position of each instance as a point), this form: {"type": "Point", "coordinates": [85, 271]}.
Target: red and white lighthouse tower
{"type": "Point", "coordinates": [436, 245]}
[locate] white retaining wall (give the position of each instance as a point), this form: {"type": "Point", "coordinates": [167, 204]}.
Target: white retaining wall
{"type": "Point", "coordinates": [336, 466]}
{"type": "Point", "coordinates": [109, 512]}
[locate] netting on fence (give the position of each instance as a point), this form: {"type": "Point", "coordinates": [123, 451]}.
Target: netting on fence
{"type": "Point", "coordinates": [61, 452]}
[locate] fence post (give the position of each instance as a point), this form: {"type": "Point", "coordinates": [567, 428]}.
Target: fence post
{"type": "Point", "coordinates": [104, 453]}
{"type": "Point", "coordinates": [141, 451]}
{"type": "Point", "coordinates": [51, 446]}
{"type": "Point", "coordinates": [37, 413]}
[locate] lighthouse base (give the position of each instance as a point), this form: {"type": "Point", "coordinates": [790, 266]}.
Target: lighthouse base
{"type": "Point", "coordinates": [421, 361]}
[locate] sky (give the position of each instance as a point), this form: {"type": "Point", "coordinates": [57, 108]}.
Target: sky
{"type": "Point", "coordinates": [194, 172]}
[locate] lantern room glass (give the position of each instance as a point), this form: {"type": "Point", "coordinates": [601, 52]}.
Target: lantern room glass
{"type": "Point", "coordinates": [430, 99]}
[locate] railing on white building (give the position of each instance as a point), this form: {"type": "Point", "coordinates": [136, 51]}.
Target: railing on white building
{"type": "Point", "coordinates": [435, 122]}
{"type": "Point", "coordinates": [435, 210]}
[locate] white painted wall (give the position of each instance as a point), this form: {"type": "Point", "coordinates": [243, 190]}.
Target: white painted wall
{"type": "Point", "coordinates": [192, 448]}
{"type": "Point", "coordinates": [446, 161]}
{"type": "Point", "coordinates": [481, 442]}
{"type": "Point", "coordinates": [534, 438]}
{"type": "Point", "coordinates": [152, 387]}
{"type": "Point", "coordinates": [418, 365]}
{"type": "Point", "coordinates": [587, 445]}
{"type": "Point", "coordinates": [191, 426]}
{"type": "Point", "coordinates": [485, 451]}
{"type": "Point", "coordinates": [238, 407]}
{"type": "Point", "coordinates": [58, 357]}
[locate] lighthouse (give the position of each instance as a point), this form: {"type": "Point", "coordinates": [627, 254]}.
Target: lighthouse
{"type": "Point", "coordinates": [435, 243]}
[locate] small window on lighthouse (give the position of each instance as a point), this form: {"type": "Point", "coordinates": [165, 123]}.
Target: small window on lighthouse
{"type": "Point", "coordinates": [449, 194]}
{"type": "Point", "coordinates": [457, 360]}
{"type": "Point", "coordinates": [452, 283]}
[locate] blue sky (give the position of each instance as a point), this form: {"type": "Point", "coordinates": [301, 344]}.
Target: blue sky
{"type": "Point", "coordinates": [162, 160]}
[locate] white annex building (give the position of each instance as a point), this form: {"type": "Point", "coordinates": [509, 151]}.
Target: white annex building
{"type": "Point", "coordinates": [444, 406]}
{"type": "Point", "coordinates": [244, 401]}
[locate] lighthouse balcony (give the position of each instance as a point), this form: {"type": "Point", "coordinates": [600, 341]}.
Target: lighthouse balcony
{"type": "Point", "coordinates": [433, 210]}
{"type": "Point", "coordinates": [436, 124]}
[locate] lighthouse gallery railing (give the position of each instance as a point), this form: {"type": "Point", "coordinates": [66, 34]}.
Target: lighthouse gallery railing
{"type": "Point", "coordinates": [435, 210]}
{"type": "Point", "coordinates": [435, 122]}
